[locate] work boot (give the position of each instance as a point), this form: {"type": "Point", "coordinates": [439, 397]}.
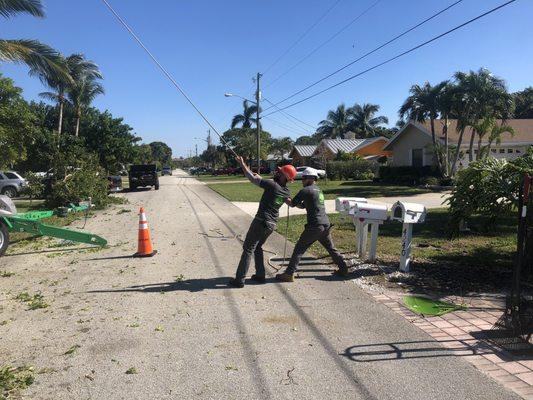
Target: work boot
{"type": "Point", "coordinates": [342, 272]}
{"type": "Point", "coordinates": [236, 283]}
{"type": "Point", "coordinates": [285, 277]}
{"type": "Point", "coordinates": [258, 279]}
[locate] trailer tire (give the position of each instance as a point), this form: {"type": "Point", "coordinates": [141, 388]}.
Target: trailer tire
{"type": "Point", "coordinates": [157, 186]}
{"type": "Point", "coordinates": [4, 238]}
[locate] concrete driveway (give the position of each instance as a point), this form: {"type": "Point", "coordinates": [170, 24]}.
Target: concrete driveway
{"type": "Point", "coordinates": [182, 334]}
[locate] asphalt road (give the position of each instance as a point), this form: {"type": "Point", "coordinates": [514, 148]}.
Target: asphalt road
{"type": "Point", "coordinates": [187, 336]}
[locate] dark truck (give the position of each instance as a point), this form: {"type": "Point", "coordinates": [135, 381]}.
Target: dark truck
{"type": "Point", "coordinates": [143, 176]}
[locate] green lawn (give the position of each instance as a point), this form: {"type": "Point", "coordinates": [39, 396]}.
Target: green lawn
{"type": "Point", "coordinates": [332, 189]}
{"type": "Point", "coordinates": [220, 178]}
{"type": "Point", "coordinates": [480, 260]}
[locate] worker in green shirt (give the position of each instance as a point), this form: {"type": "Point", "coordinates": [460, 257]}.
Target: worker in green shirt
{"type": "Point", "coordinates": [317, 228]}
{"type": "Point", "coordinates": [275, 193]}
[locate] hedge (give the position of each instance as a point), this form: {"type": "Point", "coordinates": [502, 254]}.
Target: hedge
{"type": "Point", "coordinates": [407, 175]}
{"type": "Point", "coordinates": [351, 170]}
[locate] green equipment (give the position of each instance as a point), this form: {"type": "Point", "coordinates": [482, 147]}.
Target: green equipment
{"type": "Point", "coordinates": [425, 306]}
{"type": "Point", "coordinates": [11, 221]}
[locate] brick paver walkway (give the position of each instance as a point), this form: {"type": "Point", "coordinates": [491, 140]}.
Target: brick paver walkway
{"type": "Point", "coordinates": [456, 333]}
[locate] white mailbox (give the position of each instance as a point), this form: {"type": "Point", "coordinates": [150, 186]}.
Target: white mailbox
{"type": "Point", "coordinates": [365, 214]}
{"type": "Point", "coordinates": [343, 204]}
{"type": "Point", "coordinates": [369, 211]}
{"type": "Point", "coordinates": [408, 213]}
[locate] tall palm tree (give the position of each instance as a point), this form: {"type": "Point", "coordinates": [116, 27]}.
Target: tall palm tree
{"type": "Point", "coordinates": [281, 146]}
{"type": "Point", "coordinates": [78, 68]}
{"type": "Point", "coordinates": [247, 116]}
{"type": "Point", "coordinates": [423, 104]}
{"type": "Point", "coordinates": [489, 126]}
{"type": "Point", "coordinates": [336, 124]}
{"type": "Point", "coordinates": [81, 94]}
{"type": "Point", "coordinates": [363, 119]}
{"type": "Point", "coordinates": [486, 96]}
{"type": "Point", "coordinates": [31, 52]}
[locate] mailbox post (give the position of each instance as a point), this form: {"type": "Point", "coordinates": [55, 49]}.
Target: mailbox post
{"type": "Point", "coordinates": [365, 214]}
{"type": "Point", "coordinates": [408, 214]}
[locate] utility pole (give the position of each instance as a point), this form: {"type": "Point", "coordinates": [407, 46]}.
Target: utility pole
{"type": "Point", "coordinates": [258, 123]}
{"type": "Point", "coordinates": [196, 146]}
{"type": "Point", "coordinates": [208, 138]}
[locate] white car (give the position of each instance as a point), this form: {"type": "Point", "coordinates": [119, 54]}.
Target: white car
{"type": "Point", "coordinates": [300, 170]}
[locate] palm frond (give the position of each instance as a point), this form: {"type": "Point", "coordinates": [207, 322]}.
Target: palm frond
{"type": "Point", "coordinates": [49, 96]}
{"type": "Point", "coordinates": [9, 8]}
{"type": "Point", "coordinates": [35, 54]}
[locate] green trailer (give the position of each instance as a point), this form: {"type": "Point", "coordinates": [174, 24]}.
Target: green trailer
{"type": "Point", "coordinates": [30, 222]}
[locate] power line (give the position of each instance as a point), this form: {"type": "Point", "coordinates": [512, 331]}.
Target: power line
{"type": "Point", "coordinates": [395, 57]}
{"type": "Point", "coordinates": [324, 43]}
{"type": "Point", "coordinates": [285, 126]}
{"type": "Point", "coordinates": [369, 53]}
{"type": "Point", "coordinates": [289, 115]}
{"type": "Point", "coordinates": [302, 36]}
{"type": "Point", "coordinates": [166, 73]}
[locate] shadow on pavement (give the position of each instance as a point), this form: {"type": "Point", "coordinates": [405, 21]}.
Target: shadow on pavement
{"type": "Point", "coordinates": [190, 285]}
{"type": "Point", "coordinates": [415, 349]}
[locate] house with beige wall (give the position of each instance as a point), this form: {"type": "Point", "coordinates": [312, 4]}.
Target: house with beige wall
{"type": "Point", "coordinates": [412, 145]}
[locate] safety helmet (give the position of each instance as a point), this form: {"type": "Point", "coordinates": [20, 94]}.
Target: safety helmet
{"type": "Point", "coordinates": [289, 171]}
{"type": "Point", "coordinates": [310, 172]}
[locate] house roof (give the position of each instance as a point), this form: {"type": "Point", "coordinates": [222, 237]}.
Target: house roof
{"type": "Point", "coordinates": [305, 150]}
{"type": "Point", "coordinates": [348, 145]}
{"type": "Point", "coordinates": [523, 132]}
{"type": "Point", "coordinates": [276, 157]}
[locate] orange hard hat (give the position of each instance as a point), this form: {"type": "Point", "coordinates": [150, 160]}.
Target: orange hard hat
{"type": "Point", "coordinates": [289, 171]}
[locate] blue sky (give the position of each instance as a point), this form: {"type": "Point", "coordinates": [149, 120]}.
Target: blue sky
{"type": "Point", "coordinates": [213, 47]}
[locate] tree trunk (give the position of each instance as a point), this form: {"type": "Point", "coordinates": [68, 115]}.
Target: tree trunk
{"type": "Point", "coordinates": [435, 150]}
{"type": "Point", "coordinates": [446, 148]}
{"type": "Point", "coordinates": [479, 147]}
{"type": "Point", "coordinates": [60, 123]}
{"type": "Point", "coordinates": [78, 117]}
{"type": "Point", "coordinates": [458, 151]}
{"type": "Point", "coordinates": [471, 147]}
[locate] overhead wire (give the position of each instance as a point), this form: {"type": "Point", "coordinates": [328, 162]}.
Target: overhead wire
{"type": "Point", "coordinates": [287, 115]}
{"type": "Point", "coordinates": [300, 38]}
{"type": "Point", "coordinates": [370, 52]}
{"type": "Point", "coordinates": [166, 73]}
{"type": "Point", "coordinates": [360, 15]}
{"type": "Point", "coordinates": [284, 125]}
{"type": "Point", "coordinates": [394, 58]}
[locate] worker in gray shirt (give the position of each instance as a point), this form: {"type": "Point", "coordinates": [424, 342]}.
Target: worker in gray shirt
{"type": "Point", "coordinates": [317, 228]}
{"type": "Point", "coordinates": [274, 195]}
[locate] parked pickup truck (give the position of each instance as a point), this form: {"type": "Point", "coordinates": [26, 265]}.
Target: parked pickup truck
{"type": "Point", "coordinates": [143, 176]}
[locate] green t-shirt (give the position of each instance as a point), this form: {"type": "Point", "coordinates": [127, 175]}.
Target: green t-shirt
{"type": "Point", "coordinates": [312, 198]}
{"type": "Point", "coordinates": [274, 196]}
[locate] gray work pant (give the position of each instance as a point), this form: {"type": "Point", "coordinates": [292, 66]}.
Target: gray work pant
{"type": "Point", "coordinates": [310, 235]}
{"type": "Point", "coordinates": [257, 235]}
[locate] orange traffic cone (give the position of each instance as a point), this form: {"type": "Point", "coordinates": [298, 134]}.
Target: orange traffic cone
{"type": "Point", "coordinates": [144, 248]}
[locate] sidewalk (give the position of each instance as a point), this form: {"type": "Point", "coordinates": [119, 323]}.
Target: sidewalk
{"type": "Point", "coordinates": [430, 200]}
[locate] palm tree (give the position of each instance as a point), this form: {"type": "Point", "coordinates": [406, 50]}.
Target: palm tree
{"type": "Point", "coordinates": [485, 95]}
{"type": "Point", "coordinates": [336, 124]}
{"type": "Point", "coordinates": [81, 94]}
{"type": "Point", "coordinates": [423, 104]}
{"type": "Point", "coordinates": [31, 52]}
{"type": "Point", "coordinates": [364, 121]}
{"type": "Point", "coordinates": [247, 117]}
{"type": "Point", "coordinates": [494, 131]}
{"type": "Point", "coordinates": [78, 68]}
{"type": "Point", "coordinates": [281, 146]}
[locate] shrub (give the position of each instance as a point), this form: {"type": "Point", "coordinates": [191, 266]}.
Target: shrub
{"type": "Point", "coordinates": [355, 169]}
{"type": "Point", "coordinates": [430, 181]}
{"type": "Point", "coordinates": [489, 187]}
{"type": "Point", "coordinates": [35, 188]}
{"type": "Point", "coordinates": [406, 175]}
{"type": "Point", "coordinates": [79, 183]}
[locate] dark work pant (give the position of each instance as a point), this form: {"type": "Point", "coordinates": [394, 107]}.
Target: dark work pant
{"type": "Point", "coordinates": [257, 235]}
{"type": "Point", "coordinates": [310, 235]}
